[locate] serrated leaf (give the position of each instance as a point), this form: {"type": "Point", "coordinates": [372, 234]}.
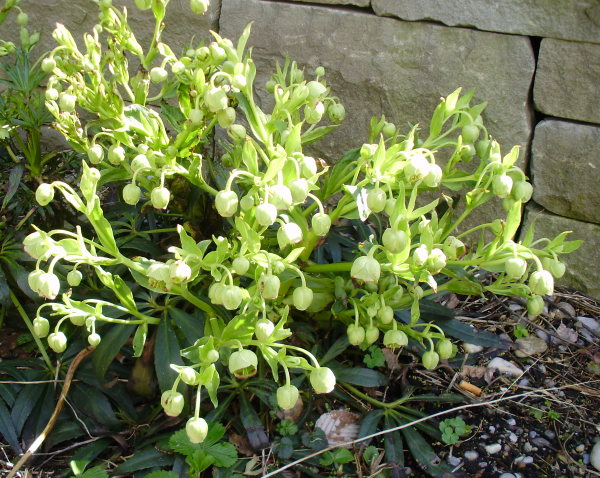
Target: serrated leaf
{"type": "Point", "coordinates": [95, 472]}
{"type": "Point", "coordinates": [14, 179]}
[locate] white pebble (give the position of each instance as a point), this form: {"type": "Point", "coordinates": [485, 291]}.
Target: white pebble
{"type": "Point", "coordinates": [550, 434]}
{"type": "Point", "coordinates": [507, 475]}
{"type": "Point", "coordinates": [493, 448]}
{"type": "Point", "coordinates": [533, 434]}
{"type": "Point", "coordinates": [471, 348]}
{"type": "Point", "coordinates": [492, 429]}
{"type": "Point", "coordinates": [513, 438]}
{"type": "Point", "coordinates": [504, 366]}
{"type": "Point", "coordinates": [580, 448]}
{"type": "Point", "coordinates": [471, 455]}
{"type": "Point", "coordinates": [454, 460]}
{"type": "Point", "coordinates": [528, 460]}
{"type": "Point", "coordinates": [511, 422]}
{"type": "Point", "coordinates": [595, 456]}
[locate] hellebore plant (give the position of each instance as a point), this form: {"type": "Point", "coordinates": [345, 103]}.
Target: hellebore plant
{"type": "Point", "coordinates": [277, 205]}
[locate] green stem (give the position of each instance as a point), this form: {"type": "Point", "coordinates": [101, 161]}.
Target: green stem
{"type": "Point", "coordinates": [336, 267]}
{"type": "Point", "coordinates": [38, 342]}
{"type": "Point", "coordinates": [187, 295]}
{"type": "Point", "coordinates": [374, 401]}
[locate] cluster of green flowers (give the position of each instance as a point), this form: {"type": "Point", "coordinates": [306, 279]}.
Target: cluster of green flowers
{"type": "Point", "coordinates": [276, 200]}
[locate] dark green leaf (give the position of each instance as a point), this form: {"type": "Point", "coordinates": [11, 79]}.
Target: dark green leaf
{"type": "Point", "coordinates": [336, 349]}
{"type": "Point", "coordinates": [393, 444]}
{"type": "Point", "coordinates": [110, 346]}
{"type": "Point", "coordinates": [423, 453]}
{"type": "Point", "coordinates": [369, 423]}
{"type": "Point", "coordinates": [363, 377]}
{"type": "Point", "coordinates": [14, 180]}
{"type": "Point", "coordinates": [162, 474]}
{"type": "Point", "coordinates": [92, 402]}
{"type": "Point", "coordinates": [86, 454]}
{"type": "Point", "coordinates": [143, 459]}
{"type": "Point", "coordinates": [192, 325]}
{"type": "Point", "coordinates": [95, 472]}
{"type": "Point", "coordinates": [166, 352]}
{"type": "Point", "coordinates": [27, 399]}
{"type": "Point", "coordinates": [139, 339]}
{"type": "Point", "coordinates": [284, 448]}
{"type": "Point", "coordinates": [7, 429]}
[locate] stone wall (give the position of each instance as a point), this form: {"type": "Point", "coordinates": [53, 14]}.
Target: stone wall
{"type": "Point", "coordinates": [536, 62]}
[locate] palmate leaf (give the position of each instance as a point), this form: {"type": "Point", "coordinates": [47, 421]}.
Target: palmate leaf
{"type": "Point", "coordinates": [210, 452]}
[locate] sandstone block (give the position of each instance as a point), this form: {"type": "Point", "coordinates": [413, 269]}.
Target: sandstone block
{"type": "Point", "coordinates": [582, 272]}
{"type": "Point", "coordinates": [382, 65]}
{"type": "Point", "coordinates": [358, 3]}
{"type": "Point", "coordinates": [565, 19]}
{"type": "Point", "coordinates": [565, 165]}
{"type": "Point", "coordinates": [567, 79]}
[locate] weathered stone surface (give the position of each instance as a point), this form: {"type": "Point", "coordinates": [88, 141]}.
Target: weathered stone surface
{"type": "Point", "coordinates": [566, 19]}
{"type": "Point", "coordinates": [567, 79]}
{"type": "Point", "coordinates": [565, 165]}
{"type": "Point", "coordinates": [79, 16]}
{"type": "Point", "coordinates": [358, 3]}
{"type": "Point", "coordinates": [382, 65]}
{"type": "Point", "coordinates": [583, 270]}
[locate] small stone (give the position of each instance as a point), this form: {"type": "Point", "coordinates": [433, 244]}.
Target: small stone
{"type": "Point", "coordinates": [471, 348]}
{"type": "Point", "coordinates": [493, 448]}
{"type": "Point", "coordinates": [454, 460]}
{"type": "Point", "coordinates": [529, 346]}
{"type": "Point", "coordinates": [590, 324]}
{"type": "Point", "coordinates": [519, 431]}
{"type": "Point", "coordinates": [586, 458]}
{"type": "Point", "coordinates": [550, 434]}
{"type": "Point", "coordinates": [492, 429]}
{"type": "Point", "coordinates": [513, 438]}
{"type": "Point", "coordinates": [539, 441]}
{"type": "Point", "coordinates": [507, 475]}
{"type": "Point", "coordinates": [564, 310]}
{"type": "Point", "coordinates": [471, 455]}
{"type": "Point", "coordinates": [528, 460]}
{"type": "Point", "coordinates": [580, 448]}
{"type": "Point", "coordinates": [515, 307]}
{"type": "Point", "coordinates": [595, 456]}
{"type": "Point", "coordinates": [527, 448]}
{"type": "Point", "coordinates": [524, 382]}
{"type": "Point", "coordinates": [504, 366]}
{"type": "Point", "coordinates": [533, 434]}
{"type": "Point", "coordinates": [542, 335]}
{"type": "Point", "coordinates": [483, 464]}
{"type": "Point", "coordinates": [542, 368]}
{"type": "Point", "coordinates": [511, 422]}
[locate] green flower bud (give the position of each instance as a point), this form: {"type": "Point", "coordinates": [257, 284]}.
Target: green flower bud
{"type": "Point", "coordinates": [226, 203]}
{"type": "Point", "coordinates": [33, 279]}
{"type": "Point", "coordinates": [319, 71]}
{"type": "Point", "coordinates": [444, 348]}
{"type": "Point", "coordinates": [502, 185]}
{"type": "Point", "coordinates": [48, 286]}
{"type": "Point", "coordinates": [299, 190]}
{"type": "Point", "coordinates": [67, 102]}
{"type": "Point", "coordinates": [356, 334]}
{"type": "Point", "coordinates": [140, 162]}
{"type": "Point", "coordinates": [172, 403]}
{"type": "Point", "coordinates": [44, 194]}
{"type": "Point", "coordinates": [263, 330]}
{"type": "Point", "coordinates": [95, 154]}
{"type": "Point", "coordinates": [236, 132]}
{"type": "Point", "coordinates": [179, 272]}
{"type": "Point", "coordinates": [268, 285]}
{"type": "Point", "coordinates": [265, 214]}
{"type": "Point", "coordinates": [436, 260]}
{"type": "Point", "coordinates": [41, 327]}
{"type": "Point", "coordinates": [522, 191]}
{"type": "Point", "coordinates": [289, 234]}
{"type": "Point", "coordinates": [420, 255]}
{"type": "Point", "coordinates": [177, 67]}
{"type": "Point", "coordinates": [226, 117]}
{"type": "Point", "coordinates": [94, 339]}
{"type": "Point", "coordinates": [467, 151]}
{"type": "Point", "coordinates": [48, 65]}
{"type": "Point", "coordinates": [508, 203]}
{"type": "Point", "coordinates": [74, 278]}
{"type": "Point", "coordinates": [196, 116]}
{"type": "Point", "coordinates": [541, 283]}
{"type": "Point", "coordinates": [247, 203]}
{"type": "Point", "coordinates": [389, 129]}
{"type": "Point", "coordinates": [336, 112]}
{"type": "Point", "coordinates": [321, 223]}
{"type": "Point", "coordinates": [215, 99]}
{"type": "Point", "coordinates": [217, 53]}
{"type": "Point", "coordinates": [385, 314]}
{"type": "Point", "coordinates": [371, 334]}
{"type": "Point", "coordinates": [430, 359]}
{"type": "Point", "coordinates": [131, 194]}
{"type": "Point", "coordinates": [116, 154]}
{"type": "Point", "coordinates": [470, 133]}
{"type": "Point", "coordinates": [556, 268]}
{"type": "Point", "coordinates": [199, 7]}
{"type": "Point", "coordinates": [51, 94]}
{"type": "Point", "coordinates": [322, 380]}
{"type": "Point", "coordinates": [302, 297]}
{"type": "Point", "coordinates": [57, 341]}
{"type": "Point", "coordinates": [188, 376]}
{"type": "Point", "coordinates": [22, 19]}
{"type": "Point", "coordinates": [243, 363]}
{"type": "Point", "coordinates": [417, 168]}
{"type": "Point", "coordinates": [280, 196]}
{"type": "Point", "coordinates": [482, 148]}
{"type": "Point", "coordinates": [158, 74]}
{"type": "Point", "coordinates": [196, 428]}
{"type": "Point", "coordinates": [239, 81]}
{"type": "Point", "coordinates": [270, 86]}
{"type": "Point", "coordinates": [434, 176]}
{"type": "Point", "coordinates": [215, 293]}
{"type": "Point", "coordinates": [368, 150]}
{"type": "Point", "coordinates": [366, 268]}
{"type": "Point", "coordinates": [454, 247]}
{"type": "Point", "coordinates": [308, 166]}
{"type": "Point", "coordinates": [160, 197]}
{"type": "Point", "coordinates": [394, 241]}
{"type": "Point", "coordinates": [37, 245]}
{"type": "Point", "coordinates": [535, 305]}
{"type": "Point", "coordinates": [232, 297]}
{"type": "Point", "coordinates": [240, 265]}
{"type": "Point", "coordinates": [287, 396]}
{"type": "Point", "coordinates": [515, 267]}
{"type": "Point", "coordinates": [314, 114]}
{"type": "Point", "coordinates": [393, 339]}
{"type": "Point", "coordinates": [376, 200]}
